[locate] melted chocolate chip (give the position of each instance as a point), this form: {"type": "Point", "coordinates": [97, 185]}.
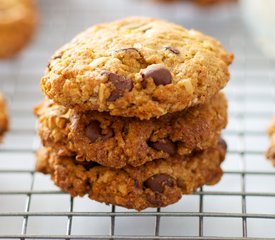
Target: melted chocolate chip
{"type": "Point", "coordinates": [172, 49]}
{"type": "Point", "coordinates": [166, 146]}
{"type": "Point", "coordinates": [120, 83]}
{"type": "Point", "coordinates": [158, 182]}
{"type": "Point", "coordinates": [159, 74]}
{"type": "Point", "coordinates": [94, 132]}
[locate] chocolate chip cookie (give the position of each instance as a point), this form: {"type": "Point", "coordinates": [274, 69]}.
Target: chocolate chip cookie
{"type": "Point", "coordinates": [271, 151]}
{"type": "Point", "coordinates": [18, 20]}
{"type": "Point", "coordinates": [116, 141]}
{"type": "Point", "coordinates": [154, 184]}
{"type": "Point", "coordinates": [137, 67]}
{"type": "Point", "coordinates": [4, 122]}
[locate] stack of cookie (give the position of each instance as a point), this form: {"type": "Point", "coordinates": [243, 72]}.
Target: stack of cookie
{"type": "Point", "coordinates": [133, 113]}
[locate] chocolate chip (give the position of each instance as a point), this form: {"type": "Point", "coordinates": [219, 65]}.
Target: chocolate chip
{"type": "Point", "coordinates": [158, 182]}
{"type": "Point", "coordinates": [172, 49]}
{"type": "Point", "coordinates": [166, 146]}
{"type": "Point", "coordinates": [94, 132]}
{"type": "Point", "coordinates": [222, 143]}
{"type": "Point", "coordinates": [159, 74]}
{"type": "Point", "coordinates": [120, 83]}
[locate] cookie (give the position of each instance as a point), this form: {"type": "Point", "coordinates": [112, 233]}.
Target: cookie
{"type": "Point", "coordinates": [154, 184]}
{"type": "Point", "coordinates": [18, 20]}
{"type": "Point", "coordinates": [4, 122]}
{"type": "Point", "coordinates": [200, 2]}
{"type": "Point", "coordinates": [137, 67]}
{"type": "Point", "coordinates": [271, 151]}
{"type": "Point", "coordinates": [210, 2]}
{"type": "Point", "coordinates": [117, 141]}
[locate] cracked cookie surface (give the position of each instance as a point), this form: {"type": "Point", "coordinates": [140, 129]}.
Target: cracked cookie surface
{"type": "Point", "coordinates": [117, 141]}
{"type": "Point", "coordinates": [154, 184]}
{"type": "Point", "coordinates": [18, 20]}
{"type": "Point", "coordinates": [4, 121]}
{"type": "Point", "coordinates": [137, 67]}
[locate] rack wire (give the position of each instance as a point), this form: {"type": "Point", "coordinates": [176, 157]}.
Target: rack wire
{"type": "Point", "coordinates": [241, 206]}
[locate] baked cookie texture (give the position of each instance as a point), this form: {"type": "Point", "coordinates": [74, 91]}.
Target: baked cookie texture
{"type": "Point", "coordinates": [18, 21]}
{"type": "Point", "coordinates": [4, 120]}
{"type": "Point", "coordinates": [154, 184]}
{"type": "Point", "coordinates": [137, 67]}
{"type": "Point", "coordinates": [271, 151]}
{"type": "Point", "coordinates": [117, 141]}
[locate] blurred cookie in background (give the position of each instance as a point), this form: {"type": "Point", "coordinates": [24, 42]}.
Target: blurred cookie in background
{"type": "Point", "coordinates": [165, 1]}
{"type": "Point", "coordinates": [199, 2]}
{"type": "Point", "coordinates": [208, 2]}
{"type": "Point", "coordinates": [4, 122]}
{"type": "Point", "coordinates": [18, 20]}
{"type": "Point", "coordinates": [271, 151]}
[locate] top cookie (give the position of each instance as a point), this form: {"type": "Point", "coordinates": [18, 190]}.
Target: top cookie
{"type": "Point", "coordinates": [137, 67]}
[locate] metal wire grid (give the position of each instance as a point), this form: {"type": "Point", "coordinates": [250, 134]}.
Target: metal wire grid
{"type": "Point", "coordinates": [251, 96]}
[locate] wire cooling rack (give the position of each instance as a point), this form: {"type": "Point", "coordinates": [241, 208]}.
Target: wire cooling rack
{"type": "Point", "coordinates": [241, 206]}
